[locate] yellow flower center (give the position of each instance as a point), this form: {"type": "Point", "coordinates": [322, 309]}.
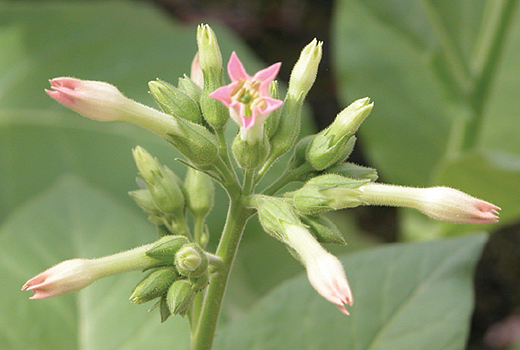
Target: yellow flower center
{"type": "Point", "coordinates": [247, 92]}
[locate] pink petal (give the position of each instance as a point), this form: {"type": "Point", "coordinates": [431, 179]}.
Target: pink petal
{"type": "Point", "coordinates": [223, 94]}
{"type": "Point", "coordinates": [236, 69]}
{"type": "Point", "coordinates": [268, 74]}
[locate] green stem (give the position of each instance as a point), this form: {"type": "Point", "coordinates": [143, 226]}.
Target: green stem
{"type": "Point", "coordinates": [286, 178]}
{"type": "Point", "coordinates": [249, 182]}
{"type": "Point", "coordinates": [222, 149]}
{"type": "Point", "coordinates": [486, 63]}
{"type": "Point", "coordinates": [202, 338]}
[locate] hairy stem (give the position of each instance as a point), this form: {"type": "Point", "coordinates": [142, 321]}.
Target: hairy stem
{"type": "Point", "coordinates": [202, 337]}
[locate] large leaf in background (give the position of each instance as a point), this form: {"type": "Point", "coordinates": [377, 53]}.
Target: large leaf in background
{"type": "Point", "coordinates": [392, 51]}
{"type": "Point", "coordinates": [126, 44]}
{"type": "Point", "coordinates": [73, 220]}
{"type": "Point", "coordinates": [407, 296]}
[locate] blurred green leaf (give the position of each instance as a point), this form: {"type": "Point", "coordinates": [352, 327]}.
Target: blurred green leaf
{"type": "Point", "coordinates": [419, 62]}
{"type": "Point", "coordinates": [73, 219]}
{"type": "Point", "coordinates": [407, 296]}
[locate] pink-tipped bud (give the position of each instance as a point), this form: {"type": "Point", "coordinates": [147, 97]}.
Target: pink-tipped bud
{"type": "Point", "coordinates": [104, 102]}
{"type": "Point", "coordinates": [73, 275]}
{"type": "Point", "coordinates": [441, 203]}
{"type": "Point", "coordinates": [68, 276]}
{"type": "Point", "coordinates": [93, 99]}
{"type": "Point", "coordinates": [324, 270]}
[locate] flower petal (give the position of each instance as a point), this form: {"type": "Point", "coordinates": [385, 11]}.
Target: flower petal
{"type": "Point", "coordinates": [236, 69]}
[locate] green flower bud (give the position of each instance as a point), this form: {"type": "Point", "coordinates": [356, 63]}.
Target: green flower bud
{"type": "Point", "coordinates": [336, 142]}
{"type": "Point", "coordinates": [165, 248]}
{"type": "Point", "coordinates": [323, 229]}
{"type": "Point", "coordinates": [179, 297]}
{"type": "Point", "coordinates": [144, 200]}
{"type": "Point", "coordinates": [154, 285]}
{"type": "Point", "coordinates": [328, 192]}
{"type": "Point", "coordinates": [166, 193]}
{"type": "Point", "coordinates": [273, 212]}
{"type": "Point", "coordinates": [348, 121]}
{"type": "Point", "coordinates": [271, 123]}
{"type": "Point", "coordinates": [210, 59]}
{"type": "Point", "coordinates": [175, 102]}
{"type": "Point", "coordinates": [189, 87]}
{"type": "Point", "coordinates": [288, 128]}
{"type": "Point", "coordinates": [250, 154]}
{"type": "Point", "coordinates": [353, 171]}
{"type": "Point", "coordinates": [195, 142]}
{"type": "Point", "coordinates": [191, 260]}
{"type": "Point", "coordinates": [146, 164]}
{"type": "Point", "coordinates": [323, 153]}
{"type": "Point", "coordinates": [304, 72]}
{"type": "Point", "coordinates": [200, 192]}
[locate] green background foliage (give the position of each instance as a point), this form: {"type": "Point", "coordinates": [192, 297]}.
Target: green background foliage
{"type": "Point", "coordinates": [64, 181]}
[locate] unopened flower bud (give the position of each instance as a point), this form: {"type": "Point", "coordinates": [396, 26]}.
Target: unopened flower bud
{"type": "Point", "coordinates": [324, 270]}
{"type": "Point", "coordinates": [323, 229]}
{"type": "Point", "coordinates": [179, 298]}
{"type": "Point", "coordinates": [154, 285]}
{"type": "Point", "coordinates": [196, 75]}
{"type": "Point", "coordinates": [304, 72]}
{"type": "Point", "coordinates": [165, 248]}
{"type": "Point", "coordinates": [73, 275]}
{"type": "Point", "coordinates": [271, 123]}
{"type": "Point", "coordinates": [191, 260]}
{"type": "Point", "coordinates": [175, 102]}
{"type": "Point", "coordinates": [163, 184]}
{"type": "Point", "coordinates": [146, 164]}
{"type": "Point", "coordinates": [200, 192]}
{"type": "Point", "coordinates": [335, 143]}
{"type": "Point", "coordinates": [144, 200]}
{"type": "Point", "coordinates": [209, 57]}
{"type": "Point", "coordinates": [210, 60]}
{"type": "Point", "coordinates": [288, 129]}
{"type": "Point", "coordinates": [440, 203]}
{"type": "Point", "coordinates": [166, 192]}
{"type": "Point", "coordinates": [104, 102]}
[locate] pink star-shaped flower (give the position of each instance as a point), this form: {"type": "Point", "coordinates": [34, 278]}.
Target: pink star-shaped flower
{"type": "Point", "coordinates": [248, 97]}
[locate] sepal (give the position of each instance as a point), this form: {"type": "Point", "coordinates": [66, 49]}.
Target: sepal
{"type": "Point", "coordinates": [195, 142]}
{"type": "Point", "coordinates": [274, 213]}
{"type": "Point", "coordinates": [179, 298]}
{"type": "Point", "coordinates": [154, 285]}
{"type": "Point", "coordinates": [323, 229]}
{"type": "Point", "coordinates": [175, 102]}
{"type": "Point", "coordinates": [166, 247]}
{"type": "Point", "coordinates": [250, 154]}
{"type": "Point", "coordinates": [190, 88]}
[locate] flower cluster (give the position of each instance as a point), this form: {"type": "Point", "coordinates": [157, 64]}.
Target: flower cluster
{"type": "Point", "coordinates": [192, 118]}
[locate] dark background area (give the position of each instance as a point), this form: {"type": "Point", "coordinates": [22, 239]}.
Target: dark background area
{"type": "Point", "coordinates": [276, 30]}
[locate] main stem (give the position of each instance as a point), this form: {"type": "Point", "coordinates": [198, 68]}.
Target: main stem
{"type": "Point", "coordinates": [237, 216]}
